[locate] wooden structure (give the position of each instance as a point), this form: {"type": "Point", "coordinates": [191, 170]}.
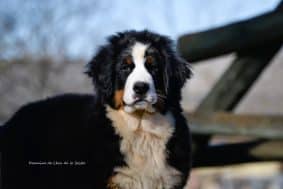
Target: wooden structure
{"type": "Point", "coordinates": [255, 42]}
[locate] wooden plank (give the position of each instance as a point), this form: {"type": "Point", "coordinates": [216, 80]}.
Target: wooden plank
{"type": "Point", "coordinates": [280, 6]}
{"type": "Point", "coordinates": [256, 32]}
{"type": "Point", "coordinates": [248, 152]}
{"type": "Point", "coordinates": [237, 79]}
{"type": "Point", "coordinates": [220, 123]}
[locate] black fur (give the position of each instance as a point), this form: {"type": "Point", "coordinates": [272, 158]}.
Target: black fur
{"type": "Point", "coordinates": [74, 127]}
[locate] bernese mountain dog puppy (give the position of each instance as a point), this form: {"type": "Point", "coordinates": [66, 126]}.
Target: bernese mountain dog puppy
{"type": "Point", "coordinates": [130, 134]}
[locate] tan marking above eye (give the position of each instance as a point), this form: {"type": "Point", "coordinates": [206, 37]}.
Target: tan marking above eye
{"type": "Point", "coordinates": [128, 60]}
{"type": "Point", "coordinates": [149, 59]}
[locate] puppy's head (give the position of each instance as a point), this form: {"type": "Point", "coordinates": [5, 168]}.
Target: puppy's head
{"type": "Point", "coordinates": [138, 71]}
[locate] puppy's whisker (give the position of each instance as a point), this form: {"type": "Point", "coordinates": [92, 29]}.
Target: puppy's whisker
{"type": "Point", "coordinates": [161, 99]}
{"type": "Point", "coordinates": [161, 96]}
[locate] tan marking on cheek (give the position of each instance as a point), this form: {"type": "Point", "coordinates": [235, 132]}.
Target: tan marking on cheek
{"type": "Point", "coordinates": [118, 98]}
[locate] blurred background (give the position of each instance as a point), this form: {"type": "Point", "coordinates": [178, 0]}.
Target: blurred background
{"type": "Point", "coordinates": [44, 46]}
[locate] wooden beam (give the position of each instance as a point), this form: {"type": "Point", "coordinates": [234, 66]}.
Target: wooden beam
{"type": "Point", "coordinates": [248, 152]}
{"type": "Point", "coordinates": [236, 81]}
{"type": "Point", "coordinates": [280, 6]}
{"type": "Point", "coordinates": [265, 127]}
{"type": "Point", "coordinates": [244, 35]}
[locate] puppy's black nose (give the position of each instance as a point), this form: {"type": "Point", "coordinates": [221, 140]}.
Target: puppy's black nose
{"type": "Point", "coordinates": [141, 88]}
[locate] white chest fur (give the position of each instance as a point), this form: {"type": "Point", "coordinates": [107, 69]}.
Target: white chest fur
{"type": "Point", "coordinates": [144, 139]}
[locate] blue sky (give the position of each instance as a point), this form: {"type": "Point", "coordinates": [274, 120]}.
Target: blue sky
{"type": "Point", "coordinates": [174, 18]}
{"type": "Point", "coordinates": [87, 23]}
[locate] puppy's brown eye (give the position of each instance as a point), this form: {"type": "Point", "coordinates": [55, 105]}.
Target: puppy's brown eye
{"type": "Point", "coordinates": [128, 60]}
{"type": "Point", "coordinates": [149, 59]}
{"type": "Point", "coordinates": [127, 64]}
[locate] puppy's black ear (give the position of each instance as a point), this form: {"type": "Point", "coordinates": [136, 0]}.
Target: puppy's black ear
{"type": "Point", "coordinates": [177, 70]}
{"type": "Point", "coordinates": [100, 69]}
{"type": "Point", "coordinates": [182, 70]}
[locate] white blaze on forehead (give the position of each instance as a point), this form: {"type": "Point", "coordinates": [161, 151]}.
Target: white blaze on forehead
{"type": "Point", "coordinates": [138, 53]}
{"type": "Point", "coordinates": [139, 73]}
